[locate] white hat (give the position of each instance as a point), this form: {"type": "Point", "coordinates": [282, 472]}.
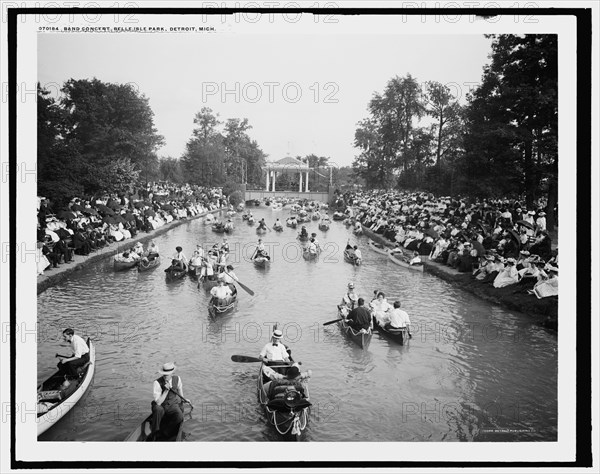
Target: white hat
{"type": "Point", "coordinates": [167, 368]}
{"type": "Point", "coordinates": [277, 334]}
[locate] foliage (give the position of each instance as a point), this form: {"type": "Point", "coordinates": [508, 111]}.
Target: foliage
{"type": "Point", "coordinates": [236, 197]}
{"type": "Point", "coordinates": [97, 138]}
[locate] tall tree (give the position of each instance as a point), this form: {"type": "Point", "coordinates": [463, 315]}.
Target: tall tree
{"type": "Point", "coordinates": [445, 110]}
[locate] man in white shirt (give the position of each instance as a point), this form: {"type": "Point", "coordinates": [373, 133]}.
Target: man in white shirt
{"type": "Point", "coordinates": [167, 394]}
{"type": "Point", "coordinates": [275, 350]}
{"type": "Point", "coordinates": [81, 354]}
{"type": "Point", "coordinates": [398, 319]}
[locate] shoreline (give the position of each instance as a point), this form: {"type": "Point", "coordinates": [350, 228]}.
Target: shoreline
{"type": "Point", "coordinates": [542, 311]}
{"type": "Point", "coordinates": [53, 276]}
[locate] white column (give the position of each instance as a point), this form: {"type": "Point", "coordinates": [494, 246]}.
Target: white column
{"type": "Point", "coordinates": [306, 183]}
{"type": "Point", "coordinates": [274, 175]}
{"type": "Point", "coordinates": [268, 173]}
{"type": "Point", "coordinates": [300, 184]}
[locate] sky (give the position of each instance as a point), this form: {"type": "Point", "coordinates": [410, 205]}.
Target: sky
{"type": "Point", "coordinates": [302, 93]}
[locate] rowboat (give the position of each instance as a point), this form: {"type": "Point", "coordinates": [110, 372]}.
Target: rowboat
{"type": "Point", "coordinates": [286, 409]}
{"type": "Point", "coordinates": [323, 226]}
{"type": "Point", "coordinates": [261, 230]}
{"type": "Point", "coordinates": [363, 339]}
{"type": "Point", "coordinates": [146, 265]}
{"type": "Point", "coordinates": [351, 258]}
{"type": "Point", "coordinates": [376, 247]}
{"type": "Point", "coordinates": [143, 430]}
{"type": "Point", "coordinates": [278, 228]}
{"type": "Point", "coordinates": [397, 335]}
{"type": "Point", "coordinates": [402, 263]}
{"type": "Point", "coordinates": [55, 402]}
{"type": "Point", "coordinates": [261, 261]}
{"type": "Point", "coordinates": [120, 266]}
{"type": "Point", "coordinates": [220, 310]}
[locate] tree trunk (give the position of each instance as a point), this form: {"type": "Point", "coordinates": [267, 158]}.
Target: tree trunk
{"type": "Point", "coordinates": [528, 170]}
{"type": "Point", "coordinates": [439, 144]}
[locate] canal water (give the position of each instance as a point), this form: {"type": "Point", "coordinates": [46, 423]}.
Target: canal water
{"type": "Point", "coordinates": [472, 371]}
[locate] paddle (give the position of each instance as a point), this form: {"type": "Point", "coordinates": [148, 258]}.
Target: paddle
{"type": "Point", "coordinates": [60, 355]}
{"type": "Point", "coordinates": [332, 322]}
{"type": "Point", "coordinates": [241, 358]}
{"type": "Point", "coordinates": [244, 287]}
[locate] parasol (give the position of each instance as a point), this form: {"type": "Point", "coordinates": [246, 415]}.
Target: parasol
{"type": "Point", "coordinates": [529, 225]}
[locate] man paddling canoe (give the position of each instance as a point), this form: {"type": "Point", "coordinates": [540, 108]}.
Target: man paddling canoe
{"type": "Point", "coordinates": [168, 397]}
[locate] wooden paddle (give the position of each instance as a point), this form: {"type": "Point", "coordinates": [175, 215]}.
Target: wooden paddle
{"type": "Point", "coordinates": [332, 322]}
{"type": "Point", "coordinates": [60, 355]}
{"type": "Point", "coordinates": [244, 287]}
{"type": "Point", "coordinates": [241, 358]}
{"type": "Point", "coordinates": [184, 399]}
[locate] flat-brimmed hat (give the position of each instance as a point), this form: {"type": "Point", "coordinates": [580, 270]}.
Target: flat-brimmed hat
{"type": "Point", "coordinates": [167, 368]}
{"type": "Point", "coordinates": [531, 213]}
{"type": "Point", "coordinates": [350, 285]}
{"type": "Point", "coordinates": [277, 333]}
{"type": "Point", "coordinates": [541, 214]}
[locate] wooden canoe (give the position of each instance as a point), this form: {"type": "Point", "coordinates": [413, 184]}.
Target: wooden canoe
{"type": "Point", "coordinates": [402, 263]}
{"type": "Point", "coordinates": [323, 226]}
{"type": "Point", "coordinates": [287, 412]}
{"type": "Point", "coordinates": [397, 335]}
{"type": "Point", "coordinates": [376, 247]}
{"type": "Point", "coordinates": [261, 261]}
{"type": "Point", "coordinates": [218, 310]}
{"type": "Point", "coordinates": [122, 266]}
{"type": "Point", "coordinates": [143, 430]}
{"type": "Point", "coordinates": [308, 255]}
{"type": "Point", "coordinates": [148, 265]}
{"type": "Point", "coordinates": [55, 402]}
{"type": "Point", "coordinates": [175, 274]}
{"type": "Point", "coordinates": [351, 258]}
{"type": "Point", "coordinates": [261, 230]}
{"type": "Point", "coordinates": [362, 339]}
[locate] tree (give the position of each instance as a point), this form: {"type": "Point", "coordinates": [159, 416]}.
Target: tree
{"type": "Point", "coordinates": [444, 110]}
{"type": "Point", "coordinates": [110, 127]}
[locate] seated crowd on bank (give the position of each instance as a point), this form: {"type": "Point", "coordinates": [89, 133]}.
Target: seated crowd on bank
{"type": "Point", "coordinates": [89, 223]}
{"type": "Point", "coordinates": [501, 242]}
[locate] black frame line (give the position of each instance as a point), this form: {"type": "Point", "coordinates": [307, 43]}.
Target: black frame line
{"type": "Point", "coordinates": [583, 453]}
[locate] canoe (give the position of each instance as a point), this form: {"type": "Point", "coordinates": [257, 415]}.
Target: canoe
{"type": "Point", "coordinates": [228, 229]}
{"type": "Point", "coordinates": [315, 217]}
{"type": "Point", "coordinates": [310, 255]}
{"type": "Point", "coordinates": [218, 310]}
{"type": "Point", "coordinates": [143, 430]}
{"type": "Point", "coordinates": [303, 238]}
{"type": "Point", "coordinates": [261, 230]}
{"type": "Point", "coordinates": [347, 222]}
{"type": "Point", "coordinates": [362, 339]}
{"type": "Point", "coordinates": [219, 229]}
{"type": "Point", "coordinates": [402, 263]}
{"type": "Point", "coordinates": [357, 231]}
{"type": "Point", "coordinates": [292, 225]}
{"type": "Point", "coordinates": [230, 213]}
{"type": "Point", "coordinates": [338, 216]}
{"type": "Point", "coordinates": [121, 266]}
{"type": "Point", "coordinates": [175, 274]}
{"type": "Point", "coordinates": [287, 410]}
{"type": "Point", "coordinates": [250, 220]}
{"type": "Point", "coordinates": [261, 261]}
{"type": "Point", "coordinates": [278, 228]}
{"type": "Point", "coordinates": [396, 335]}
{"type": "Point", "coordinates": [54, 402]}
{"type": "Point", "coordinates": [351, 258]}
{"type": "Point", "coordinates": [323, 226]}
{"type": "Point", "coordinates": [376, 247]}
{"type": "Point", "coordinates": [149, 265]}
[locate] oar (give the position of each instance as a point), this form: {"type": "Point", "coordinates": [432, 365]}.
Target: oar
{"type": "Point", "coordinates": [60, 355]}
{"type": "Point", "coordinates": [241, 358]}
{"type": "Point", "coordinates": [244, 287]}
{"type": "Point", "coordinates": [332, 322]}
{"type": "Point", "coordinates": [184, 399]}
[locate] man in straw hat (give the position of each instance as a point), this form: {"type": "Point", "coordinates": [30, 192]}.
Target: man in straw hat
{"type": "Point", "coordinates": [168, 396]}
{"type": "Point", "coordinates": [275, 351]}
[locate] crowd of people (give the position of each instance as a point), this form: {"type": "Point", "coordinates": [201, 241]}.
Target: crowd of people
{"type": "Point", "coordinates": [501, 242]}
{"type": "Point", "coordinates": [87, 224]}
